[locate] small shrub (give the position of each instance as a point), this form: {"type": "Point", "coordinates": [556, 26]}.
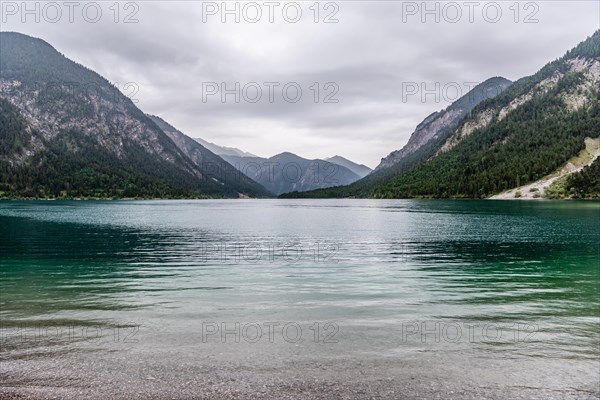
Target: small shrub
{"type": "Point", "coordinates": [534, 189]}
{"type": "Point", "coordinates": [517, 195]}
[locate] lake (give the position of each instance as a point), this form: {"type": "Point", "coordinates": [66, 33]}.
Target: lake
{"type": "Point", "coordinates": [300, 299]}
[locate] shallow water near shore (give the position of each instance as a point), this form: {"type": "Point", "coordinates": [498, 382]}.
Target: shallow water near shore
{"type": "Point", "coordinates": [300, 299]}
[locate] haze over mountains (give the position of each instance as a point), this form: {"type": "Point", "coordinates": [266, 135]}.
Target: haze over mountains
{"type": "Point", "coordinates": [287, 172]}
{"type": "Point", "coordinates": [67, 132]}
{"type": "Point", "coordinates": [223, 150]}
{"type": "Point", "coordinates": [359, 169]}
{"type": "Point", "coordinates": [282, 173]}
{"type": "Point", "coordinates": [279, 174]}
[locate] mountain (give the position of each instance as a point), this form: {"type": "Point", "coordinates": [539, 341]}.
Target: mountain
{"type": "Point", "coordinates": [278, 174]}
{"type": "Point", "coordinates": [222, 150]}
{"type": "Point", "coordinates": [523, 134]}
{"type": "Point", "coordinates": [212, 164]}
{"type": "Point", "coordinates": [439, 124]}
{"type": "Point", "coordinates": [288, 172]}
{"type": "Point", "coordinates": [424, 142]}
{"type": "Point", "coordinates": [359, 169]}
{"type": "Point", "coordinates": [68, 132]}
{"type": "Point", "coordinates": [235, 154]}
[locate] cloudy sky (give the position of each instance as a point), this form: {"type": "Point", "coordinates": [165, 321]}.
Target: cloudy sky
{"type": "Point", "coordinates": [368, 71]}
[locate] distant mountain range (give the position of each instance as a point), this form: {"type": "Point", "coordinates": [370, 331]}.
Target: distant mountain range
{"type": "Point", "coordinates": [481, 146]}
{"type": "Point", "coordinates": [281, 173]}
{"type": "Point", "coordinates": [288, 172]}
{"type": "Point", "coordinates": [66, 132]}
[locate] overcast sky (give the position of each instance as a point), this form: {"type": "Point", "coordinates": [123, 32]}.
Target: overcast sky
{"type": "Point", "coordinates": [374, 58]}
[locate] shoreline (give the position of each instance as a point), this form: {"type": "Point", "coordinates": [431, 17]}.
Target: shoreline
{"type": "Point", "coordinates": [494, 198]}
{"type": "Point", "coordinates": [301, 389]}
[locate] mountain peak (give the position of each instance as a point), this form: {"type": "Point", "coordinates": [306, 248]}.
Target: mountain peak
{"type": "Point", "coordinates": [17, 36]}
{"type": "Point", "coordinates": [359, 169]}
{"type": "Point", "coordinates": [287, 154]}
{"type": "Point", "coordinates": [439, 123]}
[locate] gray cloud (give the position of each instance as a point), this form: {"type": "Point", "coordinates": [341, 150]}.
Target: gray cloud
{"type": "Point", "coordinates": [369, 54]}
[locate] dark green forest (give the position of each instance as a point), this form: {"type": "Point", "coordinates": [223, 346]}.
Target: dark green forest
{"type": "Point", "coordinates": [584, 184]}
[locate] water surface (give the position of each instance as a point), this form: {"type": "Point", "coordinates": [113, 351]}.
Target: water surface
{"type": "Point", "coordinates": [300, 298]}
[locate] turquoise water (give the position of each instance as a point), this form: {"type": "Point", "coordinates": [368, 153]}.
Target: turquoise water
{"type": "Point", "coordinates": [468, 293]}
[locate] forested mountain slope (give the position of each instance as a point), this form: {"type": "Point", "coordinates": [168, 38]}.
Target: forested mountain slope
{"type": "Point", "coordinates": [520, 136]}
{"type": "Point", "coordinates": [525, 133]}
{"type": "Point", "coordinates": [66, 132]}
